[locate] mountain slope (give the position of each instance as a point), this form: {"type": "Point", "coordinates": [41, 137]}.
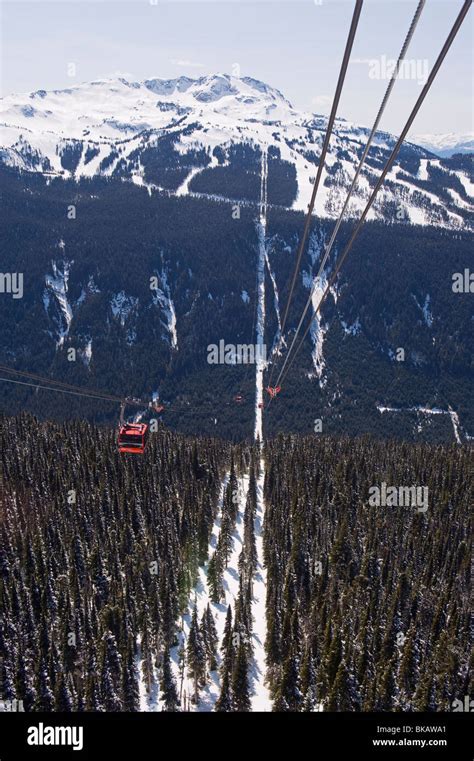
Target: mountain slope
{"type": "Point", "coordinates": [87, 287]}
{"type": "Point", "coordinates": [447, 144]}
{"type": "Point", "coordinates": [204, 136]}
{"type": "Point", "coordinates": [94, 592]}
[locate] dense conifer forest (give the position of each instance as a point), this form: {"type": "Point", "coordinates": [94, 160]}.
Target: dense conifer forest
{"type": "Point", "coordinates": [367, 607]}
{"type": "Point", "coordinates": [97, 551]}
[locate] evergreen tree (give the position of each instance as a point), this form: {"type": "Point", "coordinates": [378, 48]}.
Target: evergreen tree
{"type": "Point", "coordinates": [45, 697]}
{"type": "Point", "coordinates": [210, 638]}
{"type": "Point", "coordinates": [240, 682]}
{"type": "Point", "coordinates": [196, 655]}
{"type": "Point", "coordinates": [224, 701]}
{"type": "Point", "coordinates": [169, 692]}
{"type": "Point", "coordinates": [131, 696]}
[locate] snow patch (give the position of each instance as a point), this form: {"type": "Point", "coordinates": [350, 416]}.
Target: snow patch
{"type": "Point", "coordinates": [425, 309]}
{"type": "Point", "coordinates": [56, 291]}
{"type": "Point", "coordinates": [162, 298]}
{"type": "Point", "coordinates": [122, 306]}
{"type": "Point", "coordinates": [317, 287]}
{"type": "Point", "coordinates": [86, 353]}
{"type": "Point", "coordinates": [351, 330]}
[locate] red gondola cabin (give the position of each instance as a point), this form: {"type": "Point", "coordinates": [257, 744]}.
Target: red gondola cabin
{"type": "Point", "coordinates": [273, 391]}
{"type": "Point", "coordinates": [132, 438]}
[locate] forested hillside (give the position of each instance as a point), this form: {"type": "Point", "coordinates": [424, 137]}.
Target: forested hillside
{"type": "Point", "coordinates": [98, 552]}
{"type": "Point", "coordinates": [367, 608]}
{"type": "Point", "coordinates": [87, 290]}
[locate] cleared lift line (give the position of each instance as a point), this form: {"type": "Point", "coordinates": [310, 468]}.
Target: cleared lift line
{"type": "Point", "coordinates": [451, 36]}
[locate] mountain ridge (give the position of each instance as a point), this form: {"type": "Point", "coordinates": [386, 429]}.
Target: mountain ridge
{"type": "Point", "coordinates": [447, 144]}
{"type": "Point", "coordinates": [181, 136]}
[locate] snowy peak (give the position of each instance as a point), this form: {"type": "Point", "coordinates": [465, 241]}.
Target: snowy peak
{"type": "Point", "coordinates": [206, 135]}
{"type": "Point", "coordinates": [447, 144]}
{"type": "Point", "coordinates": [208, 89]}
{"type": "Point", "coordinates": [106, 107]}
{"type": "Point", "coordinates": [164, 86]}
{"type": "Point", "coordinates": [213, 88]}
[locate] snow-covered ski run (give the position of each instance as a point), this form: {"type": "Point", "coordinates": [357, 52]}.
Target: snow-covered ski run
{"type": "Point", "coordinates": [261, 700]}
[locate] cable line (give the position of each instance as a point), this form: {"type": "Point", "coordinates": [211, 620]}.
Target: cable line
{"type": "Point", "coordinates": [53, 382]}
{"type": "Point", "coordinates": [322, 158]}
{"type": "Point", "coordinates": [381, 110]}
{"type": "Point", "coordinates": [451, 36]}
{"type": "Point", "coordinates": [59, 390]}
{"type": "Point", "coordinates": [55, 385]}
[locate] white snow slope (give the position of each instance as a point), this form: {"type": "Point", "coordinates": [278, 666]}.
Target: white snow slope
{"type": "Point", "coordinates": [115, 120]}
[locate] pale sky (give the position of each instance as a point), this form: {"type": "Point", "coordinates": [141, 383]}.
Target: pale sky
{"type": "Point", "coordinates": [294, 45]}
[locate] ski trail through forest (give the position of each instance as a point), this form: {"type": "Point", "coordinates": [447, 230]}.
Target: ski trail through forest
{"type": "Point", "coordinates": [261, 700]}
{"type": "Point", "coordinates": [201, 597]}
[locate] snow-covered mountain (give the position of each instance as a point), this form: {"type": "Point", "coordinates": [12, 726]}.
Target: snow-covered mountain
{"type": "Point", "coordinates": [179, 136]}
{"type": "Point", "coordinates": [447, 144]}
